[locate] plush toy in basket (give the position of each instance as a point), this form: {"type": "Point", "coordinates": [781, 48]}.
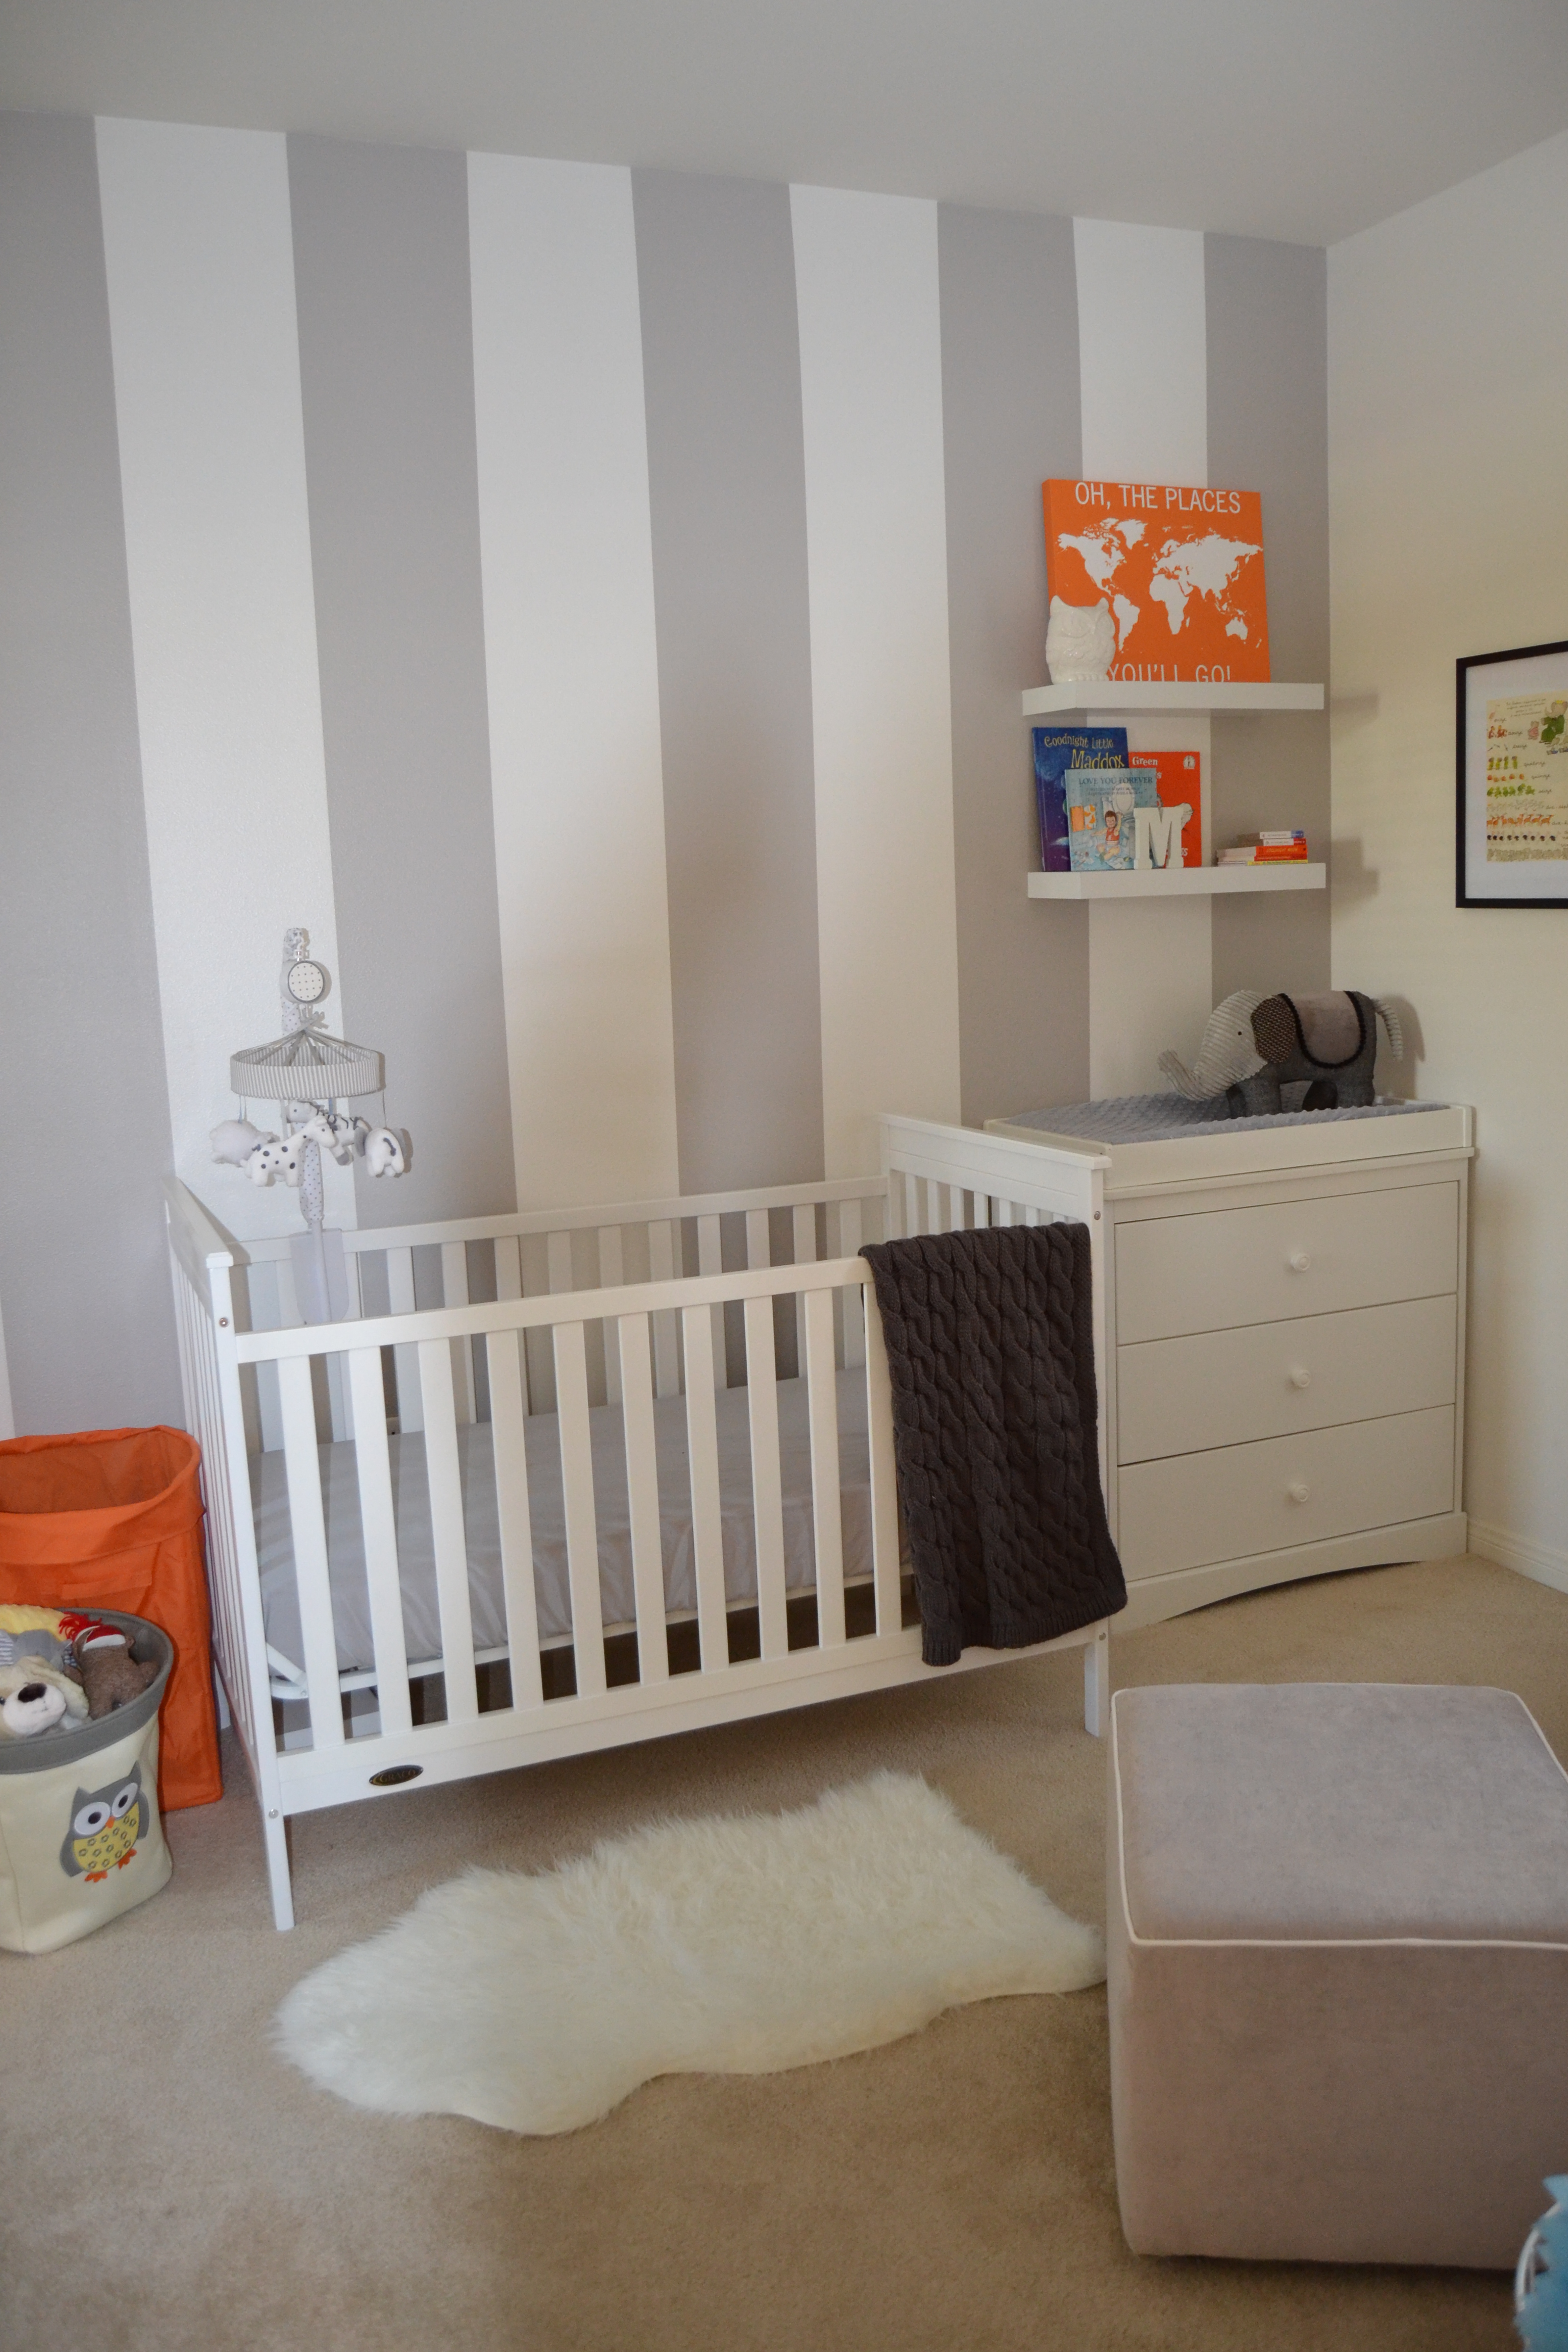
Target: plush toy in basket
{"type": "Point", "coordinates": [58, 1666]}
{"type": "Point", "coordinates": [1253, 1046]}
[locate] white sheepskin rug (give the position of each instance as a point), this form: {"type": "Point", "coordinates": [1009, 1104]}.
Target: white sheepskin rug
{"type": "Point", "coordinates": [721, 1947]}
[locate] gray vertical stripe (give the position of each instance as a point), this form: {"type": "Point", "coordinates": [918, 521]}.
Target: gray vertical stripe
{"type": "Point", "coordinates": [381, 259]}
{"type": "Point", "coordinates": [1268, 425]}
{"type": "Point", "coordinates": [1011, 420]}
{"type": "Point", "coordinates": [727, 484]}
{"type": "Point", "coordinates": [84, 1280]}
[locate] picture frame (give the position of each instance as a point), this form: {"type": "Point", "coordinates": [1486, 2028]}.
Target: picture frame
{"type": "Point", "coordinates": [1511, 758]}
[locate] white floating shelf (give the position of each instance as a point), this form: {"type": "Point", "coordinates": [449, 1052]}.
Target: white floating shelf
{"type": "Point", "coordinates": [1118, 694]}
{"type": "Point", "coordinates": [1180, 881]}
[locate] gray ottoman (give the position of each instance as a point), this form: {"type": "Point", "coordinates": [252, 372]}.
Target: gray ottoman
{"type": "Point", "coordinates": [1338, 1971]}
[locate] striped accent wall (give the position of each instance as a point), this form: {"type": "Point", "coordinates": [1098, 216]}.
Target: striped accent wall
{"type": "Point", "coordinates": [595, 603]}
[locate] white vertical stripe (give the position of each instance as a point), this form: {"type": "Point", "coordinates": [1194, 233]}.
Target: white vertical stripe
{"type": "Point", "coordinates": [870, 360]}
{"type": "Point", "coordinates": [206, 377]}
{"type": "Point", "coordinates": [567, 554]}
{"type": "Point", "coordinates": [1143, 355]}
{"type": "Point", "coordinates": [1143, 379]}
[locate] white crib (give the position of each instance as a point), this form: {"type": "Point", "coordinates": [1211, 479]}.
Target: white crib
{"type": "Point", "coordinates": [548, 1491]}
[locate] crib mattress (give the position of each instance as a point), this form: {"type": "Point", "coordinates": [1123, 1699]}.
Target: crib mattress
{"type": "Point", "coordinates": [415, 1548]}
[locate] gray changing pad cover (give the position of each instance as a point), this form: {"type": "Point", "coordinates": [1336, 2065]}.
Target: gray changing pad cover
{"type": "Point", "coordinates": [1152, 1119]}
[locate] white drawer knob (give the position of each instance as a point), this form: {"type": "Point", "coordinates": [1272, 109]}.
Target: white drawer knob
{"type": "Point", "coordinates": [1299, 1261]}
{"type": "Point", "coordinates": [1300, 1378]}
{"type": "Point", "coordinates": [1296, 1490]}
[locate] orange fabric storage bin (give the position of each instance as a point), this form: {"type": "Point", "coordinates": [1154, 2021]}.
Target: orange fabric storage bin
{"type": "Point", "coordinates": [111, 1518]}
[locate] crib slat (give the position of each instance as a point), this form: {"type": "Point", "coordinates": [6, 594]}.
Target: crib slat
{"type": "Point", "coordinates": [767, 1501]}
{"type": "Point", "coordinates": [503, 1358]}
{"type": "Point", "coordinates": [711, 1260]}
{"type": "Point", "coordinates": [367, 1399]}
{"type": "Point", "coordinates": [509, 1266]}
{"type": "Point", "coordinates": [759, 1247]}
{"type": "Point", "coordinates": [906, 1193]}
{"type": "Point", "coordinates": [666, 1348]}
{"type": "Point", "coordinates": [1000, 1211]}
{"type": "Point", "coordinates": [702, 1455]}
{"type": "Point", "coordinates": [852, 1315]}
{"type": "Point", "coordinates": [981, 1210]}
{"type": "Point", "coordinates": [885, 1563]}
{"type": "Point", "coordinates": [612, 1273]}
{"type": "Point", "coordinates": [302, 1466]}
{"type": "Point", "coordinates": [405, 1361]}
{"type": "Point", "coordinates": [802, 1228]}
{"type": "Point", "coordinates": [451, 1542]}
{"type": "Point", "coordinates": [582, 1523]}
{"type": "Point", "coordinates": [455, 1293]}
{"type": "Point", "coordinates": [828, 1526]}
{"type": "Point", "coordinates": [642, 1496]}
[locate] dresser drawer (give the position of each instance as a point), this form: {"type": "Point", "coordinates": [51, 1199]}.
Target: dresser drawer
{"type": "Point", "coordinates": [1198, 1509]}
{"type": "Point", "coordinates": [1271, 1380]}
{"type": "Point", "coordinates": [1230, 1267]}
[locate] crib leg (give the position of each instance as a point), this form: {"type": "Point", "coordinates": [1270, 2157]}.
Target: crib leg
{"type": "Point", "coordinates": [1097, 1682]}
{"type": "Point", "coordinates": [275, 1831]}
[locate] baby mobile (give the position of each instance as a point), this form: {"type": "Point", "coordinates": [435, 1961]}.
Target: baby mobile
{"type": "Point", "coordinates": [311, 1077]}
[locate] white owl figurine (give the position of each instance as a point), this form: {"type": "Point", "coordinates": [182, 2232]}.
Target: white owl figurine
{"type": "Point", "coordinates": [1080, 641]}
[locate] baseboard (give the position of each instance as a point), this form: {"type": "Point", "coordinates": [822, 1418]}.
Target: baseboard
{"type": "Point", "coordinates": [1543, 1563]}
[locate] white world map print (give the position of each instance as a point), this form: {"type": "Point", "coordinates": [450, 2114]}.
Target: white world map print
{"type": "Point", "coordinates": [1182, 569]}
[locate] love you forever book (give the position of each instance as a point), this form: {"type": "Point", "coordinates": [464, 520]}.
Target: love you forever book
{"type": "Point", "coordinates": [1102, 806]}
{"type": "Point", "coordinates": [1179, 569]}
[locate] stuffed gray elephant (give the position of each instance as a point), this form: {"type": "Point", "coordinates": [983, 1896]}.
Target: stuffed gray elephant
{"type": "Point", "coordinates": [1254, 1045]}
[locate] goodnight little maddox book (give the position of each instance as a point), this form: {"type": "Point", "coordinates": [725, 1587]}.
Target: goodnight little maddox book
{"type": "Point", "coordinates": [1057, 748]}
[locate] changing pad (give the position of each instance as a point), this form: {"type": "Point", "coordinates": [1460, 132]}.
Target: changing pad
{"type": "Point", "coordinates": [415, 1550]}
{"type": "Point", "coordinates": [1150, 1118]}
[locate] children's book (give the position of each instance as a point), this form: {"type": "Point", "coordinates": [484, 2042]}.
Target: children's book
{"type": "Point", "coordinates": [1057, 748]}
{"type": "Point", "coordinates": [1102, 806]}
{"type": "Point", "coordinates": [1180, 777]}
{"type": "Point", "coordinates": [1179, 570]}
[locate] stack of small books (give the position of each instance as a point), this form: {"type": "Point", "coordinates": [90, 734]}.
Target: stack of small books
{"type": "Point", "coordinates": [1266, 849]}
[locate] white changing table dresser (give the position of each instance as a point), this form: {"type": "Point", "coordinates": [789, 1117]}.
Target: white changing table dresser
{"type": "Point", "coordinates": [1285, 1339]}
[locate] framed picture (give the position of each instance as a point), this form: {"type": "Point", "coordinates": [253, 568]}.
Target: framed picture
{"type": "Point", "coordinates": [1512, 743]}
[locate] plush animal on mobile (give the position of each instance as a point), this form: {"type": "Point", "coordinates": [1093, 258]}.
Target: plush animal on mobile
{"type": "Point", "coordinates": [1255, 1044]}
{"type": "Point", "coordinates": [336, 1132]}
{"type": "Point", "coordinates": [385, 1151]}
{"type": "Point", "coordinates": [234, 1140]}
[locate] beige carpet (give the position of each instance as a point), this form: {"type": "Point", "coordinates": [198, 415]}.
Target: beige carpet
{"type": "Point", "coordinates": [169, 2184]}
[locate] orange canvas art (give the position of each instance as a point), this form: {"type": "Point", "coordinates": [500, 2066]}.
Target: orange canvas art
{"type": "Point", "coordinates": [1180, 571]}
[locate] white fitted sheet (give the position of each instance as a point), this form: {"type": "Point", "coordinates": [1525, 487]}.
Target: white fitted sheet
{"type": "Point", "coordinates": [415, 1552]}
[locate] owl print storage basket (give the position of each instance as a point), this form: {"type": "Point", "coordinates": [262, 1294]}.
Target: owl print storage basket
{"type": "Point", "coordinates": [80, 1837]}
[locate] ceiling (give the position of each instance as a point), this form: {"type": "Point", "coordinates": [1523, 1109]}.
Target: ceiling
{"type": "Point", "coordinates": [1299, 119]}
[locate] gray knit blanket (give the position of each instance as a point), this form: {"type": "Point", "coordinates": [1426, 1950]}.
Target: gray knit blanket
{"type": "Point", "coordinates": [990, 1350]}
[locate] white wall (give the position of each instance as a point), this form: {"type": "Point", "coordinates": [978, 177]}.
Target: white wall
{"type": "Point", "coordinates": [1447, 368]}
{"type": "Point", "coordinates": [1143, 366]}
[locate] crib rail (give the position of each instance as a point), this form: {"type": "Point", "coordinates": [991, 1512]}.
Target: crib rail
{"type": "Point", "coordinates": [831, 1300]}
{"type": "Point", "coordinates": [201, 1259]}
